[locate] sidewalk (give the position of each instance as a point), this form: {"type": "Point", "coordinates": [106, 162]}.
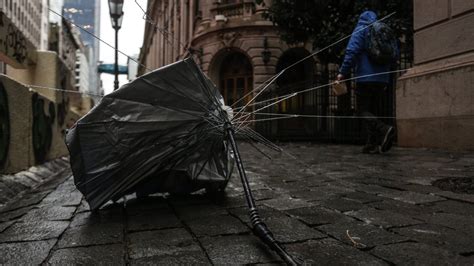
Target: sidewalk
{"type": "Point", "coordinates": [330, 205]}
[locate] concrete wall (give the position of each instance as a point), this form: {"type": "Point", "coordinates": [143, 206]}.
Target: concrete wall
{"type": "Point", "coordinates": [435, 99]}
{"type": "Point", "coordinates": [36, 127]}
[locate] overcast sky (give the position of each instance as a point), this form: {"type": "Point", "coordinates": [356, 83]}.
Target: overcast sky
{"type": "Point", "coordinates": [130, 37]}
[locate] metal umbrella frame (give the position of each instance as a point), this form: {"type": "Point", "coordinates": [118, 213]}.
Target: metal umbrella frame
{"type": "Point", "coordinates": [168, 130]}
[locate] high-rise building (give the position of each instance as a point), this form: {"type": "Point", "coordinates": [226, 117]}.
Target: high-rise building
{"type": "Point", "coordinates": [86, 14]}
{"type": "Point", "coordinates": [82, 72]}
{"type": "Point", "coordinates": [20, 32]}
{"type": "Point", "coordinates": [44, 25]}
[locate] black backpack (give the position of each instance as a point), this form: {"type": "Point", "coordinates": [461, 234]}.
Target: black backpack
{"type": "Point", "coordinates": [381, 44]}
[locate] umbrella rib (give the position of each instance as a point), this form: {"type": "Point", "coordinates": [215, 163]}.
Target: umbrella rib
{"type": "Point", "coordinates": [253, 143]}
{"type": "Point", "coordinates": [262, 139]}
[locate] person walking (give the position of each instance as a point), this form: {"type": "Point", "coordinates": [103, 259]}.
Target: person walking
{"type": "Point", "coordinates": [371, 86]}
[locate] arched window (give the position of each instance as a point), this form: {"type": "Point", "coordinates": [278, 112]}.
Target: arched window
{"type": "Point", "coordinates": [235, 78]}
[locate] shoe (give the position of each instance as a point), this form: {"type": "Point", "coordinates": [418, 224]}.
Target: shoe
{"type": "Point", "coordinates": [370, 149]}
{"type": "Point", "coordinates": [387, 141]}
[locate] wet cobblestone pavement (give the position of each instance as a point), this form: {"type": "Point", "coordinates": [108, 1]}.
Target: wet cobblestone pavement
{"type": "Point", "coordinates": [328, 204]}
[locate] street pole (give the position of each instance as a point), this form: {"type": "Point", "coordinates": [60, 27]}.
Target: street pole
{"type": "Point", "coordinates": [116, 82]}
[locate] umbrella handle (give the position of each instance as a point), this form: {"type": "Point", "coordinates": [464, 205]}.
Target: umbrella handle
{"type": "Point", "coordinates": [260, 229]}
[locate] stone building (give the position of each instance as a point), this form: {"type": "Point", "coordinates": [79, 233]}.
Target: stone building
{"type": "Point", "coordinates": [435, 100]}
{"type": "Point", "coordinates": [35, 105]}
{"type": "Point", "coordinates": [234, 45]}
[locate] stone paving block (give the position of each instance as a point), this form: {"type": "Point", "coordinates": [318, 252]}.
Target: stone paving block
{"type": "Point", "coordinates": [412, 197]}
{"type": "Point", "coordinates": [5, 225]}
{"type": "Point", "coordinates": [230, 202]}
{"type": "Point", "coordinates": [184, 258]}
{"type": "Point", "coordinates": [113, 215]}
{"type": "Point", "coordinates": [25, 253]}
{"type": "Point", "coordinates": [27, 200]}
{"type": "Point", "coordinates": [157, 219]}
{"type": "Point", "coordinates": [92, 234]}
{"type": "Point", "coordinates": [15, 214]}
{"type": "Point", "coordinates": [288, 186]}
{"type": "Point", "coordinates": [383, 218]}
{"type": "Point", "coordinates": [29, 231]}
{"type": "Point", "coordinates": [317, 215]}
{"type": "Point", "coordinates": [188, 200]}
{"type": "Point", "coordinates": [197, 212]}
{"type": "Point", "coordinates": [168, 242]}
{"type": "Point", "coordinates": [93, 255]}
{"type": "Point", "coordinates": [375, 189]}
{"type": "Point", "coordinates": [439, 236]}
{"type": "Point", "coordinates": [17, 184]}
{"type": "Point", "coordinates": [83, 207]}
{"type": "Point", "coordinates": [424, 189]}
{"type": "Point", "coordinates": [460, 223]}
{"type": "Point", "coordinates": [455, 207]}
{"type": "Point", "coordinates": [264, 211]}
{"type": "Point", "coordinates": [217, 225]}
{"type": "Point", "coordinates": [316, 180]}
{"type": "Point", "coordinates": [36, 178]}
{"type": "Point", "coordinates": [285, 229]}
{"type": "Point", "coordinates": [331, 252]}
{"type": "Point", "coordinates": [342, 204]}
{"type": "Point", "coordinates": [313, 196]}
{"type": "Point", "coordinates": [286, 203]}
{"type": "Point", "coordinates": [417, 254]}
{"type": "Point", "coordinates": [365, 235]}
{"type": "Point", "coordinates": [49, 213]}
{"type": "Point", "coordinates": [54, 181]}
{"type": "Point", "coordinates": [422, 180]}
{"type": "Point", "coordinates": [7, 192]}
{"type": "Point", "coordinates": [64, 196]}
{"type": "Point", "coordinates": [456, 196]}
{"type": "Point", "coordinates": [262, 194]}
{"type": "Point", "coordinates": [362, 197]}
{"type": "Point", "coordinates": [43, 172]}
{"type": "Point", "coordinates": [148, 204]}
{"type": "Point", "coordinates": [237, 250]}
{"type": "Point", "coordinates": [404, 208]}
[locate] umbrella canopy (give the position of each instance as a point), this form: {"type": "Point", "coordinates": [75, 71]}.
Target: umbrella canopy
{"type": "Point", "coordinates": [161, 133]}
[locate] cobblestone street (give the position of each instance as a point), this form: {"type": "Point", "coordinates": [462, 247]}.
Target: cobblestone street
{"type": "Point", "coordinates": [328, 204]}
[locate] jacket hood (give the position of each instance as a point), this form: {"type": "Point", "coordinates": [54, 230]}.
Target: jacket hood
{"type": "Point", "coordinates": [367, 18]}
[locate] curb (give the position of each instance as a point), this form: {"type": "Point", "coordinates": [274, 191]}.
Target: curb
{"type": "Point", "coordinates": [13, 186]}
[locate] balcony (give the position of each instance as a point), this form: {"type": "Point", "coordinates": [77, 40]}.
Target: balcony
{"type": "Point", "coordinates": [243, 8]}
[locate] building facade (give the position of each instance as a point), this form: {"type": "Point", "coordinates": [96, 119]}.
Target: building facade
{"type": "Point", "coordinates": [20, 31]}
{"type": "Point", "coordinates": [435, 99]}
{"type": "Point", "coordinates": [82, 72]}
{"type": "Point", "coordinates": [86, 14]}
{"type": "Point", "coordinates": [216, 32]}
{"type": "Point", "coordinates": [44, 25]}
{"type": "Point", "coordinates": [36, 107]}
{"type": "Point", "coordinates": [239, 50]}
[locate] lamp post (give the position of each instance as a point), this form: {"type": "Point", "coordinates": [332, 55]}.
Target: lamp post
{"type": "Point", "coordinates": [116, 16]}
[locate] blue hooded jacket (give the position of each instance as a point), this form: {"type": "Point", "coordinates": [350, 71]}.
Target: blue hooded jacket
{"type": "Point", "coordinates": [357, 56]}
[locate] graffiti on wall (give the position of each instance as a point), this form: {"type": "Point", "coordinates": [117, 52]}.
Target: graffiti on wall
{"type": "Point", "coordinates": [42, 128]}
{"type": "Point", "coordinates": [4, 126]}
{"type": "Point", "coordinates": [13, 43]}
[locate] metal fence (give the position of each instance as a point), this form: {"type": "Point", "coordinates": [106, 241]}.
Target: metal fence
{"type": "Point", "coordinates": [337, 120]}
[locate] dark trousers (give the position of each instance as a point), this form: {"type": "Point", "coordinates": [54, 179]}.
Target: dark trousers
{"type": "Point", "coordinates": [369, 97]}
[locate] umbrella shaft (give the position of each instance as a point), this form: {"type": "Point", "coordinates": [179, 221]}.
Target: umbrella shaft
{"type": "Point", "coordinates": [242, 174]}
{"type": "Point", "coordinates": [260, 229]}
